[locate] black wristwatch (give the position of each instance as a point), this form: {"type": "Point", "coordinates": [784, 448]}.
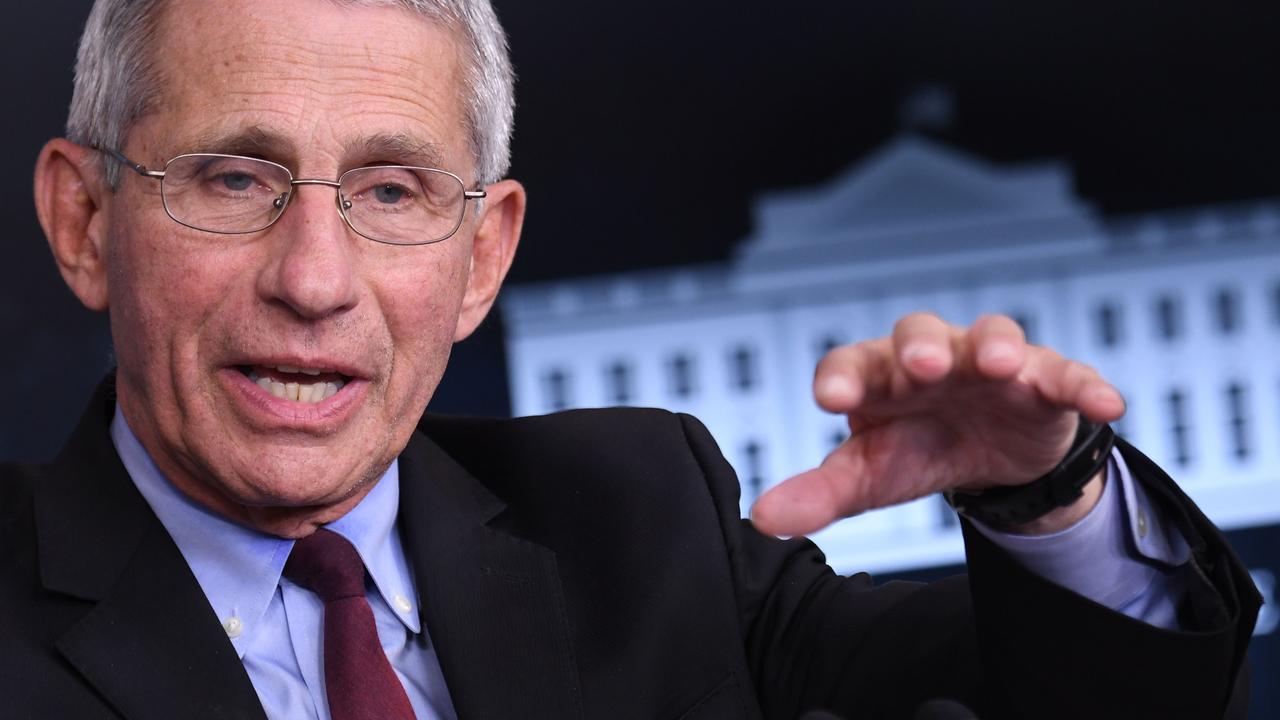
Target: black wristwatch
{"type": "Point", "coordinates": [1005, 507]}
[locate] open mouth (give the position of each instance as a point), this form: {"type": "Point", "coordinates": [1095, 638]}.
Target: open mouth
{"type": "Point", "coordinates": [299, 384]}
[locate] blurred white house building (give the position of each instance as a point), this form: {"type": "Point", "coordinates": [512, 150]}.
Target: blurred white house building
{"type": "Point", "coordinates": [1180, 309]}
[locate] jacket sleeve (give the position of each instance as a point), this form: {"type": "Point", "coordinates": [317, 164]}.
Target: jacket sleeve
{"type": "Point", "coordinates": [1001, 640]}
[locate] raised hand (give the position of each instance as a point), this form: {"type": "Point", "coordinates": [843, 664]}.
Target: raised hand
{"type": "Point", "coordinates": [937, 407]}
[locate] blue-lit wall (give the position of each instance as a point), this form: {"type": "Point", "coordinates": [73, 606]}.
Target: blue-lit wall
{"type": "Point", "coordinates": [1180, 309]}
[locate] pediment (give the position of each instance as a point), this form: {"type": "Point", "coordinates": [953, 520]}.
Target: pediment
{"type": "Point", "coordinates": [915, 182]}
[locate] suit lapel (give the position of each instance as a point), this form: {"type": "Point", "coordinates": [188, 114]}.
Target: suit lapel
{"type": "Point", "coordinates": [153, 648]}
{"type": "Point", "coordinates": [150, 644]}
{"type": "Point", "coordinates": [492, 602]}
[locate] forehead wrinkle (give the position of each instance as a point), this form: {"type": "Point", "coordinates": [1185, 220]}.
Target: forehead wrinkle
{"type": "Point", "coordinates": [241, 51]}
{"type": "Point", "coordinates": [403, 100]}
{"type": "Point", "coordinates": [358, 61]}
{"type": "Point", "coordinates": [346, 84]}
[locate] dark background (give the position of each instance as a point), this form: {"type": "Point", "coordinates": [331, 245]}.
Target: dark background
{"type": "Point", "coordinates": [645, 129]}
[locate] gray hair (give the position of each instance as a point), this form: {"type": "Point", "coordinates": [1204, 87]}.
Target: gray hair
{"type": "Point", "coordinates": [117, 80]}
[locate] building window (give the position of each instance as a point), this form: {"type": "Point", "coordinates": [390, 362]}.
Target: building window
{"type": "Point", "coordinates": [618, 378]}
{"type": "Point", "coordinates": [1236, 400]}
{"type": "Point", "coordinates": [753, 468]}
{"type": "Point", "coordinates": [1177, 402]}
{"type": "Point", "coordinates": [742, 368]}
{"type": "Point", "coordinates": [837, 437]}
{"type": "Point", "coordinates": [1226, 310]}
{"type": "Point", "coordinates": [828, 343]}
{"type": "Point", "coordinates": [555, 389]}
{"type": "Point", "coordinates": [681, 371]}
{"type": "Point", "coordinates": [1027, 322]}
{"type": "Point", "coordinates": [1168, 317]}
{"type": "Point", "coordinates": [1109, 325]}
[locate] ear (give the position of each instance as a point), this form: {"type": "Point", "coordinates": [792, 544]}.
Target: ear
{"type": "Point", "coordinates": [69, 192]}
{"type": "Point", "coordinates": [492, 250]}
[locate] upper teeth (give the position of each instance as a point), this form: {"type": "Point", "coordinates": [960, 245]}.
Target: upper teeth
{"type": "Point", "coordinates": [295, 370]}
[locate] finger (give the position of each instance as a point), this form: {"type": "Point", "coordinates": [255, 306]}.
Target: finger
{"type": "Point", "coordinates": [813, 499]}
{"type": "Point", "coordinates": [922, 345]}
{"type": "Point", "coordinates": [846, 374]}
{"type": "Point", "coordinates": [1070, 384]}
{"type": "Point", "coordinates": [996, 347]}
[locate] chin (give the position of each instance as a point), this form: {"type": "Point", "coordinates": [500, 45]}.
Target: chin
{"type": "Point", "coordinates": [279, 506]}
{"type": "Point", "coordinates": [294, 480]}
{"type": "Point", "coordinates": [285, 492]}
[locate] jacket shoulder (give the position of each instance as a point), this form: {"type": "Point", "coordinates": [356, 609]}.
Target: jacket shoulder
{"type": "Point", "coordinates": [581, 420]}
{"type": "Point", "coordinates": [591, 437]}
{"type": "Point", "coordinates": [612, 461]}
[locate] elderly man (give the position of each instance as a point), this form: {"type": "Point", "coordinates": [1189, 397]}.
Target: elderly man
{"type": "Point", "coordinates": [291, 211]}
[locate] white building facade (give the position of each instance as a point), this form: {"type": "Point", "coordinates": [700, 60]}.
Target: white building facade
{"type": "Point", "coordinates": [1180, 310]}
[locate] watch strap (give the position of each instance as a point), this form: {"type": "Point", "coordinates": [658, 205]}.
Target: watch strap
{"type": "Point", "coordinates": [1009, 506]}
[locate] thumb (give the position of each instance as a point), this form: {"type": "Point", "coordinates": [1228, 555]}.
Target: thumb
{"type": "Point", "coordinates": [814, 499]}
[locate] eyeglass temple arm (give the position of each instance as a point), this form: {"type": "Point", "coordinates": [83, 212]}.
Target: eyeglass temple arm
{"type": "Point", "coordinates": [475, 194]}
{"type": "Point", "coordinates": [136, 167]}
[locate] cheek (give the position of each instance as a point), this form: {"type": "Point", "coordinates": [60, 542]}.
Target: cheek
{"type": "Point", "coordinates": [159, 292]}
{"type": "Point", "coordinates": [424, 305]}
{"type": "Point", "coordinates": [138, 301]}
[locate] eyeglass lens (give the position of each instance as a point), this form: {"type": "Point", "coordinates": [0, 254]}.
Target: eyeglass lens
{"type": "Point", "coordinates": [390, 204]}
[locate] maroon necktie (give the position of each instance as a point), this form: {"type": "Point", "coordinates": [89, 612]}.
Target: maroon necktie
{"type": "Point", "coordinates": [358, 679]}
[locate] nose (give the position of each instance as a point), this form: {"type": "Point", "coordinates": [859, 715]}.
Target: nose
{"type": "Point", "coordinates": [312, 268]}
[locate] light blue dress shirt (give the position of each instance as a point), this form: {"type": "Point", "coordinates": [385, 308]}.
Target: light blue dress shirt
{"type": "Point", "coordinates": [275, 625]}
{"type": "Point", "coordinates": [1121, 555]}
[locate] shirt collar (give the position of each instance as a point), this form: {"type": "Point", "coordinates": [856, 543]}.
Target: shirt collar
{"type": "Point", "coordinates": [239, 568]}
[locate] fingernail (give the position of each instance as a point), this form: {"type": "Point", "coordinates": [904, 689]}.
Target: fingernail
{"type": "Point", "coordinates": [921, 351]}
{"type": "Point", "coordinates": [835, 387]}
{"type": "Point", "coordinates": [996, 352]}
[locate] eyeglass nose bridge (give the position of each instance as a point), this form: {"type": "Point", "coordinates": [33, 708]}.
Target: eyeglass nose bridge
{"type": "Point", "coordinates": [283, 200]}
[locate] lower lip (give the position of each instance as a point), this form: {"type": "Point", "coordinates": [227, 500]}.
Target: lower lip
{"type": "Point", "coordinates": [272, 412]}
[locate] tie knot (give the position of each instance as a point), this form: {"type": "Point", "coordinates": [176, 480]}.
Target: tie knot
{"type": "Point", "coordinates": [328, 565]}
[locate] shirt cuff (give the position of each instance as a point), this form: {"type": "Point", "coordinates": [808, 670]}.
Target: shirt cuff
{"type": "Point", "coordinates": [1119, 555]}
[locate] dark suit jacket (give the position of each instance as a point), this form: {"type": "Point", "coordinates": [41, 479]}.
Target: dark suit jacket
{"type": "Point", "coordinates": [592, 564]}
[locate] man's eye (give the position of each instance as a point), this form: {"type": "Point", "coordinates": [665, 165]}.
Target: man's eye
{"type": "Point", "coordinates": [388, 194]}
{"type": "Point", "coordinates": [237, 182]}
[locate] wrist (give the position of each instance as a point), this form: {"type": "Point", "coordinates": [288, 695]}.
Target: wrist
{"type": "Point", "coordinates": [1060, 519]}
{"type": "Point", "coordinates": [1061, 489]}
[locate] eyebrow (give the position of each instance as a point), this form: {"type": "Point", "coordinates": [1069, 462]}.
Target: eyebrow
{"type": "Point", "coordinates": [257, 141]}
{"type": "Point", "coordinates": [398, 148]}
{"type": "Point", "coordinates": [254, 140]}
